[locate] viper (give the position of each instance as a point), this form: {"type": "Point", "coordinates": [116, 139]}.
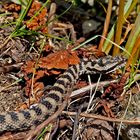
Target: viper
{"type": "Point", "coordinates": [24, 119]}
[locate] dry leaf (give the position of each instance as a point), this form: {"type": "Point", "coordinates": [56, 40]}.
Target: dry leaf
{"type": "Point", "coordinates": [39, 21]}
{"type": "Point", "coordinates": [59, 60]}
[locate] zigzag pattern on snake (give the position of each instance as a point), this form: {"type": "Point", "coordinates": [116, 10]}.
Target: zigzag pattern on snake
{"type": "Point", "coordinates": [24, 119]}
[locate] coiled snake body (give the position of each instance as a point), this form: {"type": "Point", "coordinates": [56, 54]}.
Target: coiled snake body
{"type": "Point", "coordinates": [12, 121]}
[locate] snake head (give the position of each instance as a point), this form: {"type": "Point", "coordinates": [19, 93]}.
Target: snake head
{"type": "Point", "coordinates": [107, 64]}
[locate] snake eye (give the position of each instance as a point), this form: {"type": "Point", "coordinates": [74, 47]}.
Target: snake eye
{"type": "Point", "coordinates": [100, 62]}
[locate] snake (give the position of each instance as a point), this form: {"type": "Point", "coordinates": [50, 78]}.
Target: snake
{"type": "Point", "coordinates": [25, 119]}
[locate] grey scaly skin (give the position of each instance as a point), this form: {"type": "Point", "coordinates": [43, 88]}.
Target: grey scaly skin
{"type": "Point", "coordinates": [24, 119]}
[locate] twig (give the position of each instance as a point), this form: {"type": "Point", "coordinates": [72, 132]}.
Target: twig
{"type": "Point", "coordinates": [76, 123]}
{"type": "Point", "coordinates": [51, 17]}
{"type": "Point", "coordinates": [7, 68]}
{"type": "Point", "coordinates": [136, 122]}
{"type": "Point", "coordinates": [106, 24]}
{"type": "Point", "coordinates": [93, 86]}
{"type": "Point", "coordinates": [55, 129]}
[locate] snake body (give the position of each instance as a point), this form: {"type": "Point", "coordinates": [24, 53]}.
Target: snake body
{"type": "Point", "coordinates": [24, 119]}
